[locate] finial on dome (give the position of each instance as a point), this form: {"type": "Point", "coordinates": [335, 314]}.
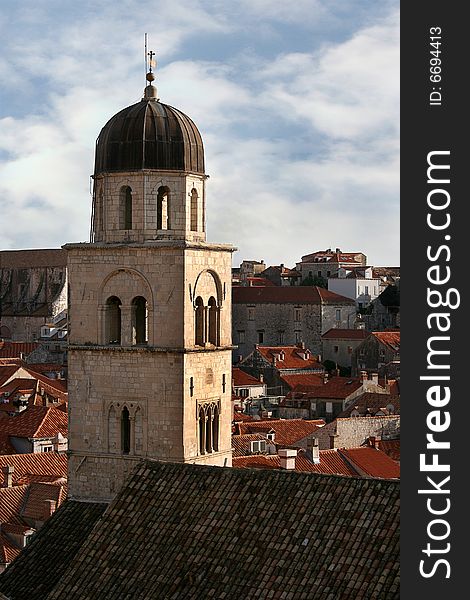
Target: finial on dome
{"type": "Point", "coordinates": [150, 92]}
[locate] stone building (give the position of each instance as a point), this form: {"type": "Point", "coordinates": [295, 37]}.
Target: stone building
{"type": "Point", "coordinates": [33, 291]}
{"type": "Point", "coordinates": [379, 349]}
{"type": "Point", "coordinates": [287, 315]}
{"type": "Point", "coordinates": [326, 263]}
{"type": "Point", "coordinates": [338, 345]}
{"type": "Point", "coordinates": [149, 307]}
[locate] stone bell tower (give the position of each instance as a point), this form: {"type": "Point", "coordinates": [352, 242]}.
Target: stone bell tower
{"type": "Point", "coordinates": [149, 307]}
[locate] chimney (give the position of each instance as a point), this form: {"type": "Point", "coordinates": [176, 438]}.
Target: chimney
{"type": "Point", "coordinates": [261, 377]}
{"type": "Point", "coordinates": [301, 345]}
{"type": "Point", "coordinates": [8, 471]}
{"type": "Point", "coordinates": [375, 378]}
{"type": "Point", "coordinates": [287, 456]}
{"type": "Point", "coordinates": [313, 447]}
{"type": "Point", "coordinates": [373, 442]}
{"type": "Point", "coordinates": [49, 508]}
{"type": "Point", "coordinates": [363, 376]}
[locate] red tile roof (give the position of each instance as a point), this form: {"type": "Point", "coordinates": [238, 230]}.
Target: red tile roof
{"type": "Point", "coordinates": [287, 295]}
{"type": "Point", "coordinates": [337, 387]}
{"type": "Point", "coordinates": [345, 334]}
{"type": "Point", "coordinates": [258, 282]}
{"type": "Point", "coordinates": [240, 378]}
{"type": "Point", "coordinates": [8, 551]}
{"type": "Point", "coordinates": [373, 462]}
{"type": "Point", "coordinates": [35, 422]}
{"type": "Point", "coordinates": [303, 381]}
{"type": "Point", "coordinates": [39, 493]}
{"type": "Point", "coordinates": [29, 465]}
{"type": "Point", "coordinates": [391, 448]}
{"type": "Point", "coordinates": [11, 501]}
{"type": "Point", "coordinates": [239, 416]}
{"type": "Point", "coordinates": [287, 431]}
{"type": "Point", "coordinates": [241, 444]}
{"type": "Point", "coordinates": [389, 338]}
{"type": "Point", "coordinates": [293, 357]}
{"type": "Point", "coordinates": [16, 349]}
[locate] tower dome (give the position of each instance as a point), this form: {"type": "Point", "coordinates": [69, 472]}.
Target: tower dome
{"type": "Point", "coordinates": [149, 135]}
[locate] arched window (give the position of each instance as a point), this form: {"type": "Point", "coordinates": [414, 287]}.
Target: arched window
{"type": "Point", "coordinates": [125, 208]}
{"type": "Point", "coordinates": [202, 431]}
{"type": "Point", "coordinates": [213, 322]}
{"type": "Point", "coordinates": [194, 210]}
{"type": "Point", "coordinates": [113, 320]}
{"type": "Point", "coordinates": [209, 430]}
{"type": "Point", "coordinates": [125, 431]}
{"type": "Point", "coordinates": [215, 429]}
{"type": "Point", "coordinates": [139, 320]}
{"type": "Point", "coordinates": [199, 322]}
{"type": "Point", "coordinates": [163, 208]}
{"type": "Point", "coordinates": [112, 430]}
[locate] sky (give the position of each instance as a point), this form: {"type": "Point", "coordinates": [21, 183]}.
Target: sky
{"type": "Point", "coordinates": [297, 102]}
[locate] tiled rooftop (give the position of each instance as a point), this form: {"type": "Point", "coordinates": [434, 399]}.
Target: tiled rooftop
{"type": "Point", "coordinates": [304, 381]}
{"type": "Point", "coordinates": [35, 422]}
{"type": "Point", "coordinates": [241, 444]}
{"type": "Point", "coordinates": [345, 334]}
{"type": "Point", "coordinates": [16, 349]}
{"type": "Point", "coordinates": [293, 357]}
{"type": "Point", "coordinates": [287, 431]}
{"type": "Point", "coordinates": [389, 338]}
{"type": "Point", "coordinates": [240, 378]}
{"type": "Point", "coordinates": [193, 532]}
{"type": "Point", "coordinates": [302, 294]}
{"type": "Point", "coordinates": [43, 463]}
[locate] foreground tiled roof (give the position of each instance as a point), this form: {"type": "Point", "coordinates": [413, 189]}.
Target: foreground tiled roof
{"type": "Point", "coordinates": [193, 532]}
{"type": "Point", "coordinates": [345, 334]}
{"type": "Point", "coordinates": [302, 294]}
{"type": "Point", "coordinates": [35, 573]}
{"type": "Point", "coordinates": [287, 431]}
{"type": "Point", "coordinates": [25, 465]}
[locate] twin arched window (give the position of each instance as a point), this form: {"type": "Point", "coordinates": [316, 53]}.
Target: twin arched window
{"type": "Point", "coordinates": [125, 208]}
{"type": "Point", "coordinates": [208, 418]}
{"type": "Point", "coordinates": [207, 322]}
{"type": "Point", "coordinates": [116, 332]}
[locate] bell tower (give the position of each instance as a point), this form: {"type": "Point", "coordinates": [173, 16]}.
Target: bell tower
{"type": "Point", "coordinates": [149, 307]}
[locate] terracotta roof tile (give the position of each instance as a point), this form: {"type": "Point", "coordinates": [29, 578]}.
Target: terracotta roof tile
{"type": "Point", "coordinates": [389, 338]}
{"type": "Point", "coordinates": [293, 358]}
{"type": "Point", "coordinates": [239, 416]}
{"type": "Point", "coordinates": [42, 463]}
{"type": "Point", "coordinates": [302, 382]}
{"type": "Point", "coordinates": [391, 448]}
{"type": "Point", "coordinates": [337, 387]}
{"type": "Point", "coordinates": [303, 294]}
{"type": "Point", "coordinates": [39, 494]}
{"type": "Point", "coordinates": [11, 501]}
{"type": "Point", "coordinates": [177, 530]}
{"type": "Point", "coordinates": [16, 349]}
{"type": "Point", "coordinates": [35, 422]}
{"type": "Point", "coordinates": [288, 432]}
{"type": "Point", "coordinates": [240, 378]}
{"type": "Point", "coordinates": [8, 551]}
{"type": "Point", "coordinates": [241, 444]}
{"type": "Point", "coordinates": [372, 462]}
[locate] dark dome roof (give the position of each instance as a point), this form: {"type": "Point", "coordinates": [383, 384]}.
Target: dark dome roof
{"type": "Point", "coordinates": [149, 135]}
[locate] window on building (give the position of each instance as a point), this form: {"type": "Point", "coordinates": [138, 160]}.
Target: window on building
{"type": "Point", "coordinates": [251, 313]}
{"type": "Point", "coordinates": [213, 322]}
{"type": "Point", "coordinates": [215, 429]}
{"type": "Point", "coordinates": [113, 320]}
{"type": "Point", "coordinates": [199, 322]}
{"type": "Point", "coordinates": [297, 314]}
{"type": "Point", "coordinates": [338, 314]}
{"type": "Point", "coordinates": [258, 446]}
{"type": "Point", "coordinates": [350, 349]}
{"type": "Point", "coordinates": [202, 431]}
{"type": "Point", "coordinates": [163, 207]}
{"type": "Point", "coordinates": [224, 384]}
{"type": "Point", "coordinates": [191, 386]}
{"type": "Point", "coordinates": [194, 211]}
{"type": "Point", "coordinates": [297, 336]}
{"type": "Point", "coordinates": [139, 320]}
{"type": "Point", "coordinates": [319, 273]}
{"type": "Point", "coordinates": [241, 337]}
{"type": "Point", "coordinates": [125, 431]}
{"type": "Point", "coordinates": [47, 448]}
{"type": "Point", "coordinates": [271, 436]}
{"type": "Point", "coordinates": [281, 337]}
{"type": "Point", "coordinates": [260, 337]}
{"type": "Point", "coordinates": [243, 392]}
{"type": "Point", "coordinates": [336, 349]}
{"type": "Point", "coordinates": [366, 290]}
{"type": "Point", "coordinates": [328, 273]}
{"type": "Point", "coordinates": [125, 200]}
